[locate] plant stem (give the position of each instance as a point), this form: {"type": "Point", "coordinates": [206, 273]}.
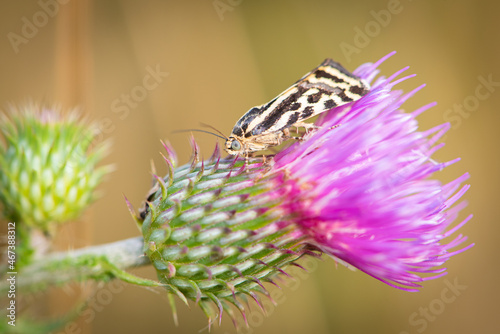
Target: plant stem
{"type": "Point", "coordinates": [101, 262]}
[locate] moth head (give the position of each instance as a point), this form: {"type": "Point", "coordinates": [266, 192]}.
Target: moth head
{"type": "Point", "coordinates": [233, 146]}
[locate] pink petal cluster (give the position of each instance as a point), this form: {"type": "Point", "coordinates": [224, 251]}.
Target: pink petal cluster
{"type": "Point", "coordinates": [360, 187]}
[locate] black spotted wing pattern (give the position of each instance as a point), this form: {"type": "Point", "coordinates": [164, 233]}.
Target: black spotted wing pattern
{"type": "Point", "coordinates": [328, 86]}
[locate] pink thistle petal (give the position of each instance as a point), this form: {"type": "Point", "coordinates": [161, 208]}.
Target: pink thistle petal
{"type": "Point", "coordinates": [362, 191]}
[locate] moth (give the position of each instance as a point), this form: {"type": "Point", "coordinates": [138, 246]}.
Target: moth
{"type": "Point", "coordinates": [327, 86]}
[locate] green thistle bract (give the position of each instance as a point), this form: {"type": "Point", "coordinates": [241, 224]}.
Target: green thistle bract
{"type": "Point", "coordinates": [48, 170]}
{"type": "Point", "coordinates": [214, 235]}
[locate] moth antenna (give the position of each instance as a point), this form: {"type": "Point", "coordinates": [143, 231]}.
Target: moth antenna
{"type": "Point", "coordinates": [211, 127]}
{"type": "Point", "coordinates": [189, 130]}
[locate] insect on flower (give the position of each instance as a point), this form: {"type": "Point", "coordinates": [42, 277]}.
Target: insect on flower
{"type": "Point", "coordinates": [327, 86]}
{"type": "Point", "coordinates": [217, 233]}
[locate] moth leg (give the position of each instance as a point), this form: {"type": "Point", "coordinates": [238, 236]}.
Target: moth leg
{"type": "Point", "coordinates": [307, 126]}
{"type": "Point", "coordinates": [286, 135]}
{"type": "Point", "coordinates": [247, 155]}
{"type": "Point", "coordinates": [281, 137]}
{"type": "Point", "coordinates": [267, 161]}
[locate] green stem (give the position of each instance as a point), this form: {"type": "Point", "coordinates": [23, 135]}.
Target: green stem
{"type": "Point", "coordinates": [103, 262]}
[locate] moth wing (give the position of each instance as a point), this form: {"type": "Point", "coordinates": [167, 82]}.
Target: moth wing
{"type": "Point", "coordinates": [327, 86]}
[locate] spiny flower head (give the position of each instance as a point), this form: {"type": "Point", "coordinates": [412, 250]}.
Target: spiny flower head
{"type": "Point", "coordinates": [357, 189]}
{"type": "Point", "coordinates": [48, 169]}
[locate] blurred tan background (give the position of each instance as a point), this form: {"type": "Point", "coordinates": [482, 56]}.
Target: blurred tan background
{"type": "Point", "coordinates": [215, 59]}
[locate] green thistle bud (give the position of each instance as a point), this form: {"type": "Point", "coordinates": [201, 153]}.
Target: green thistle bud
{"type": "Point", "coordinates": [215, 235]}
{"type": "Point", "coordinates": [48, 170]}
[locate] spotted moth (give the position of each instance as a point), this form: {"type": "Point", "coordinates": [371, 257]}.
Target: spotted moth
{"type": "Point", "coordinates": [327, 86]}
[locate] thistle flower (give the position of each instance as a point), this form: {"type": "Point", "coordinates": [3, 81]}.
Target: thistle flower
{"type": "Point", "coordinates": [361, 187]}
{"type": "Point", "coordinates": [48, 170]}
{"type": "Point", "coordinates": [357, 189]}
